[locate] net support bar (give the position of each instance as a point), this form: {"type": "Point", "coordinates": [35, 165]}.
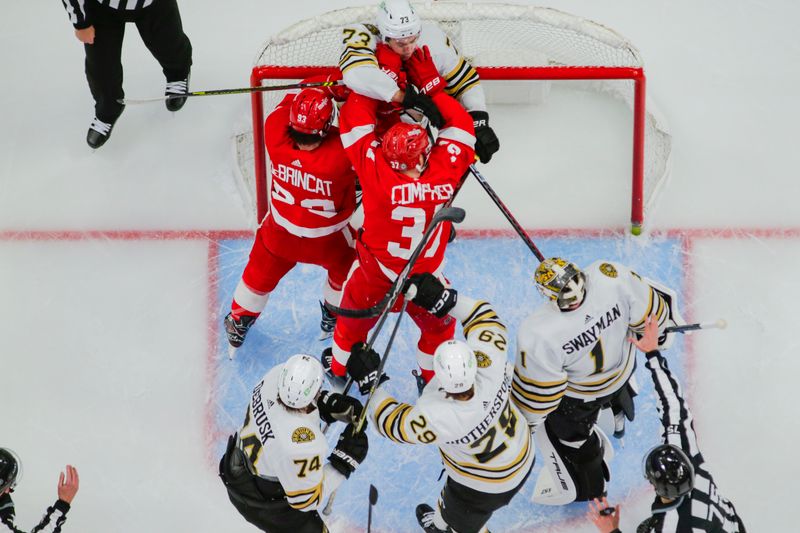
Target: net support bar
{"type": "Point", "coordinates": [635, 74]}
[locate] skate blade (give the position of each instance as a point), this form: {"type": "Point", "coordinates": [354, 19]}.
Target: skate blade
{"type": "Point", "coordinates": [325, 335]}
{"type": "Point", "coordinates": [232, 352]}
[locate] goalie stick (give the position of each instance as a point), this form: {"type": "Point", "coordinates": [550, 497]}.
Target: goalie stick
{"type": "Point", "coordinates": [513, 221]}
{"type": "Point", "coordinates": [217, 92]}
{"type": "Point", "coordinates": [717, 324]}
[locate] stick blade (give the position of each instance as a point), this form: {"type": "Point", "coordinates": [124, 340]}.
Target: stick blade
{"type": "Point", "coordinates": [373, 495]}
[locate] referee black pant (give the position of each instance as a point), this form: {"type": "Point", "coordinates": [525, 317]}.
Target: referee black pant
{"type": "Point", "coordinates": [161, 29]}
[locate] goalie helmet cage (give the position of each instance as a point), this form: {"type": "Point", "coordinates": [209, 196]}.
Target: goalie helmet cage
{"type": "Point", "coordinates": [508, 44]}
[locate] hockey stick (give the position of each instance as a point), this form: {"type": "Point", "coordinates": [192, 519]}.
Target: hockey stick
{"type": "Point", "coordinates": [394, 290]}
{"type": "Point", "coordinates": [373, 499]}
{"type": "Point", "coordinates": [513, 221]}
{"type": "Point", "coordinates": [453, 214]}
{"type": "Point", "coordinates": [718, 324]}
{"type": "Point", "coordinates": [379, 373]}
{"type": "Point", "coordinates": [217, 92]}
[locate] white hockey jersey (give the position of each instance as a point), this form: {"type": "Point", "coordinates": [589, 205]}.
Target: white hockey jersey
{"type": "Point", "coordinates": [585, 353]}
{"type": "Point", "coordinates": [483, 441]}
{"type": "Point", "coordinates": [362, 74]}
{"type": "Point", "coordinates": [287, 446]}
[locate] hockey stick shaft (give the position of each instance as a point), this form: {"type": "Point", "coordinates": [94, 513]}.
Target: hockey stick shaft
{"type": "Point", "coordinates": [241, 90]}
{"type": "Point", "coordinates": [513, 221]}
{"type": "Point", "coordinates": [363, 417]}
{"type": "Point", "coordinates": [397, 286]}
{"type": "Point", "coordinates": [453, 214]}
{"type": "Point", "coordinates": [718, 324]}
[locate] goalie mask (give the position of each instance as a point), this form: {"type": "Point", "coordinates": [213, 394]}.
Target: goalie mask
{"type": "Point", "coordinates": [300, 381]}
{"type": "Point", "coordinates": [561, 282]}
{"type": "Point", "coordinates": [404, 144]}
{"type": "Point", "coordinates": [455, 365]}
{"type": "Point", "coordinates": [10, 470]}
{"type": "Point", "coordinates": [669, 470]}
{"type": "Point", "coordinates": [311, 112]}
{"type": "Point", "coordinates": [397, 19]}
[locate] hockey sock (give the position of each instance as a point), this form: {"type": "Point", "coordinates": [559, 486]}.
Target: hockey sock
{"type": "Point", "coordinates": [427, 375]}
{"type": "Point", "coordinates": [338, 368]}
{"type": "Point", "coordinates": [237, 311]}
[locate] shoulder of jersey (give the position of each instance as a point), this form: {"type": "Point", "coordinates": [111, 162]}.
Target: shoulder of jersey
{"type": "Point", "coordinates": [608, 270]}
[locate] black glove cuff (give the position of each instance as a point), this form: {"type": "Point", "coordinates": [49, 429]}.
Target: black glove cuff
{"type": "Point", "coordinates": [480, 119]}
{"type": "Point", "coordinates": [342, 462]}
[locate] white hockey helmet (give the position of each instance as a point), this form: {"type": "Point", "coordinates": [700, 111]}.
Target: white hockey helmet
{"type": "Point", "coordinates": [299, 381]}
{"type": "Point", "coordinates": [397, 19]}
{"type": "Point", "coordinates": [455, 365]}
{"type": "Point", "coordinates": [562, 282]}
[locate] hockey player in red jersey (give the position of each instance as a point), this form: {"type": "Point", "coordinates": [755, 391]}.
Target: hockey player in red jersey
{"type": "Point", "coordinates": [405, 180]}
{"type": "Point", "coordinates": [312, 198]}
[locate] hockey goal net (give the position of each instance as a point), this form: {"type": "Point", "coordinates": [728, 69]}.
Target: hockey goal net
{"type": "Point", "coordinates": [516, 49]}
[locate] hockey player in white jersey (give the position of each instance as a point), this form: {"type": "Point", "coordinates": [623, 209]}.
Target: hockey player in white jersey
{"type": "Point", "coordinates": [371, 65]}
{"type": "Point", "coordinates": [274, 468]}
{"type": "Point", "coordinates": [574, 359]}
{"type": "Point", "coordinates": [687, 499]}
{"type": "Point", "coordinates": [465, 410]}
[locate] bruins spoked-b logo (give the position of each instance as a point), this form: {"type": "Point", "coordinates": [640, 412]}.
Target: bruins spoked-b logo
{"type": "Point", "coordinates": [302, 434]}
{"type": "Point", "coordinates": [484, 360]}
{"type": "Point", "coordinates": [609, 270]}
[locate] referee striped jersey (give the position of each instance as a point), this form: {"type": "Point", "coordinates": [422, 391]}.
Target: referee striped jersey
{"type": "Point", "coordinates": [704, 508]}
{"type": "Point", "coordinates": [76, 9]}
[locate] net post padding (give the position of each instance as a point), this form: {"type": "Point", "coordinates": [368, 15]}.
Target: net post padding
{"type": "Point", "coordinates": [495, 38]}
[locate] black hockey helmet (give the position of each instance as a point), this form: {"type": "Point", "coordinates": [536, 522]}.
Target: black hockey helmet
{"type": "Point", "coordinates": [669, 470]}
{"type": "Point", "coordinates": [9, 469]}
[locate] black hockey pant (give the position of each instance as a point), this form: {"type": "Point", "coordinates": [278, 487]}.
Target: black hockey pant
{"type": "Point", "coordinates": [467, 510]}
{"type": "Point", "coordinates": [261, 502]}
{"type": "Point", "coordinates": [160, 27]}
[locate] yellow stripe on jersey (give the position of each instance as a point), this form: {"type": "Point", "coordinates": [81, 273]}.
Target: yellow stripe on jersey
{"type": "Point", "coordinates": [480, 306]}
{"type": "Point", "coordinates": [462, 78]}
{"type": "Point", "coordinates": [484, 324]}
{"type": "Point", "coordinates": [604, 387]}
{"type": "Point", "coordinates": [543, 398]}
{"type": "Point", "coordinates": [358, 63]}
{"type": "Point", "coordinates": [394, 424]}
{"type": "Point", "coordinates": [305, 497]}
{"type": "Point", "coordinates": [540, 384]}
{"type": "Point", "coordinates": [474, 470]}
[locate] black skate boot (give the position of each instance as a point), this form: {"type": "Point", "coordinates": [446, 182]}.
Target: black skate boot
{"type": "Point", "coordinates": [327, 323]}
{"type": "Point", "coordinates": [337, 382]}
{"type": "Point", "coordinates": [420, 380]}
{"type": "Point", "coordinates": [99, 131]}
{"type": "Point", "coordinates": [237, 329]}
{"type": "Point", "coordinates": [425, 514]}
{"type": "Point", "coordinates": [176, 87]}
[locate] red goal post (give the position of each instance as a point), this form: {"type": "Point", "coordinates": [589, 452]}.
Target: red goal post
{"type": "Point", "coordinates": [507, 44]}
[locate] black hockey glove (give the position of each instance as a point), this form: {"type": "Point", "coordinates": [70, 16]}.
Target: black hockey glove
{"type": "Point", "coordinates": [431, 294]}
{"type": "Point", "coordinates": [350, 451]}
{"type": "Point", "coordinates": [486, 142]}
{"type": "Point", "coordinates": [334, 406]}
{"type": "Point", "coordinates": [422, 103]}
{"type": "Point", "coordinates": [363, 367]}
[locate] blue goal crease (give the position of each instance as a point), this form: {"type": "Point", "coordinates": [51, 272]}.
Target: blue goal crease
{"type": "Point", "coordinates": [497, 269]}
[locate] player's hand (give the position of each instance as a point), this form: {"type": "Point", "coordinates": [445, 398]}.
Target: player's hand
{"type": "Point", "coordinates": [423, 72]}
{"type": "Point", "coordinates": [486, 141]}
{"type": "Point", "coordinates": [391, 63]}
{"type": "Point", "coordinates": [68, 484]}
{"type": "Point", "coordinates": [363, 367]}
{"type": "Point", "coordinates": [86, 35]}
{"type": "Point", "coordinates": [422, 103]}
{"type": "Point", "coordinates": [334, 406]}
{"type": "Point", "coordinates": [606, 518]}
{"type": "Point", "coordinates": [649, 340]}
{"type": "Point", "coordinates": [429, 293]}
{"type": "Point", "coordinates": [340, 91]}
{"type": "Point", "coordinates": [350, 451]}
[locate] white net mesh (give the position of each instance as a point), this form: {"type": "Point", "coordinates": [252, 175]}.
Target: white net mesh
{"type": "Point", "coordinates": [487, 35]}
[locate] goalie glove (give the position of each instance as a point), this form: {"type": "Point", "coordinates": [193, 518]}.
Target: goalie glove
{"type": "Point", "coordinates": [486, 142]}
{"type": "Point", "coordinates": [429, 293]}
{"type": "Point", "coordinates": [422, 103]}
{"type": "Point", "coordinates": [334, 406]}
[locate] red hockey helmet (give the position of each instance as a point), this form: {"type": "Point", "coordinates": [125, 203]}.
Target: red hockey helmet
{"type": "Point", "coordinates": [311, 112]}
{"type": "Point", "coordinates": [403, 144]}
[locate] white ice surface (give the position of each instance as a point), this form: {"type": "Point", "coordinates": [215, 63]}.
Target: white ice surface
{"type": "Point", "coordinates": [103, 343]}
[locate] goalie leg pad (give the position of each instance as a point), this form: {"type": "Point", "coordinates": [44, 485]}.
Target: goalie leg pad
{"type": "Point", "coordinates": [571, 473]}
